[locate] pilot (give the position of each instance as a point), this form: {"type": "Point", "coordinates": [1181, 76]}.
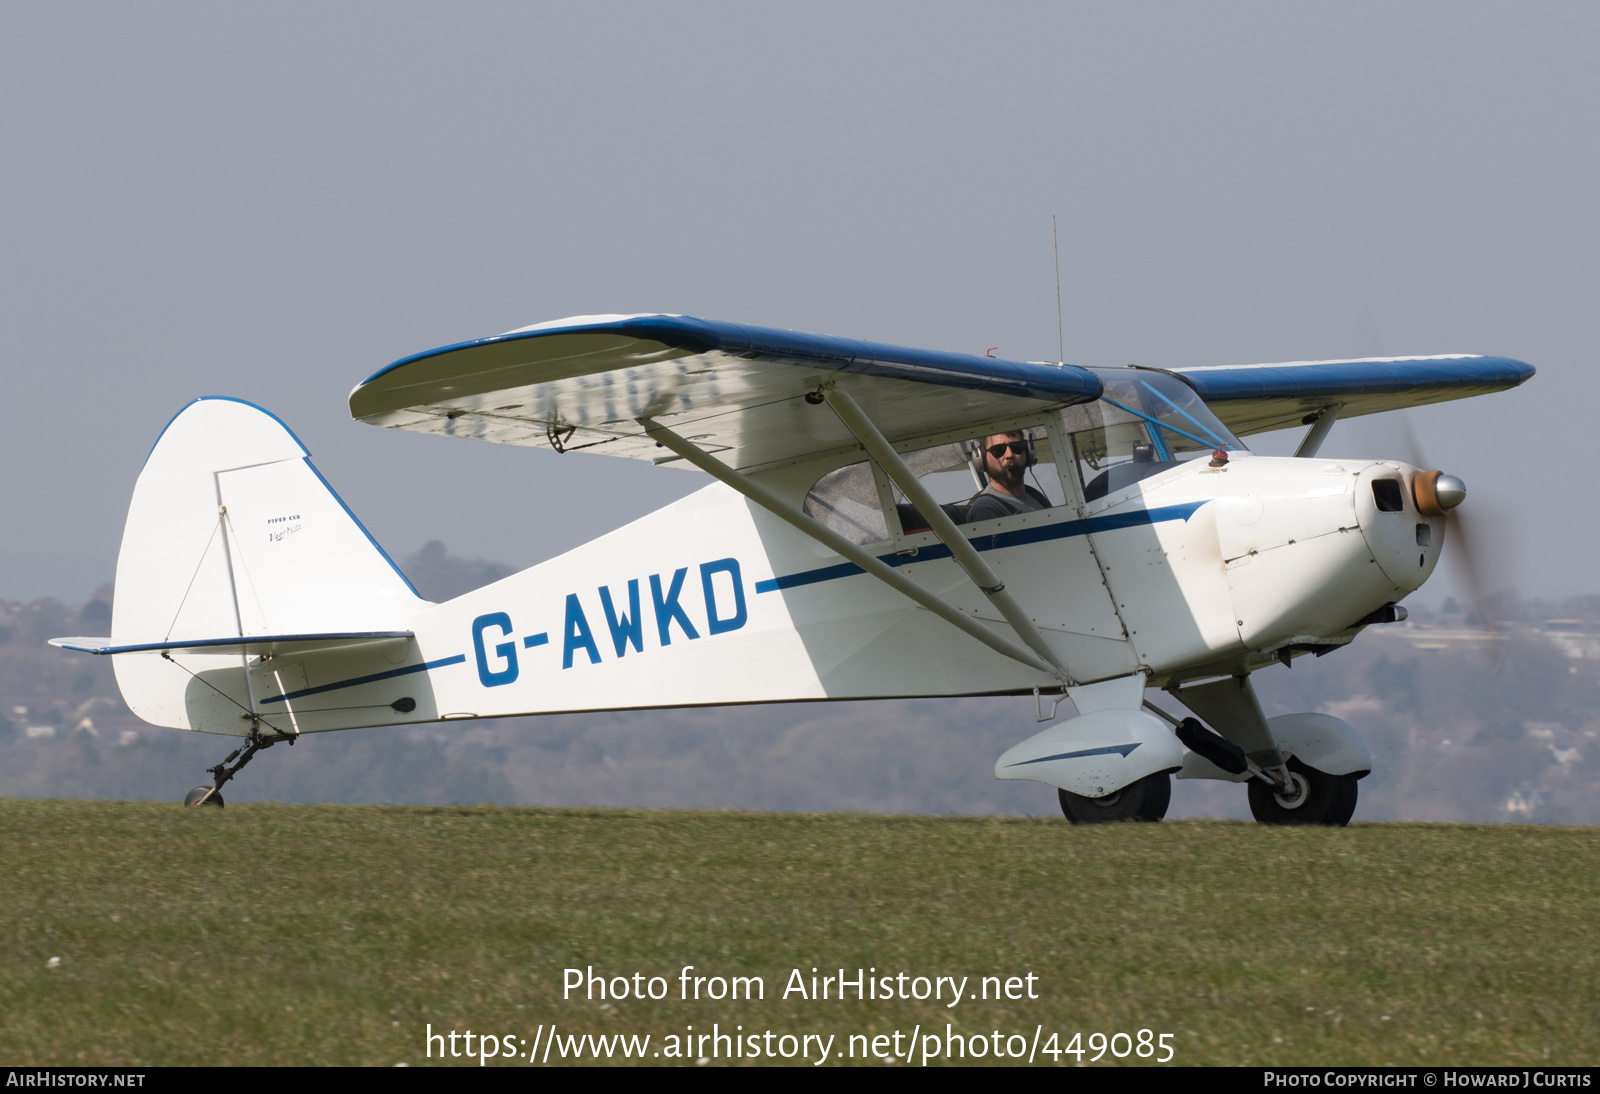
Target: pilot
{"type": "Point", "coordinates": [1005, 458]}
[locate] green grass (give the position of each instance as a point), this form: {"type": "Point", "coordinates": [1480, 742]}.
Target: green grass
{"type": "Point", "coordinates": [271, 934]}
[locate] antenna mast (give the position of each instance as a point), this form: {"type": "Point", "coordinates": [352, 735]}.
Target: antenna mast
{"type": "Point", "coordinates": [1061, 342]}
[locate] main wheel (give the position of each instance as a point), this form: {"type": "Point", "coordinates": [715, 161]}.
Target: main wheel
{"type": "Point", "coordinates": [1316, 798]}
{"type": "Point", "coordinates": [1145, 800]}
{"type": "Point", "coordinates": [193, 797]}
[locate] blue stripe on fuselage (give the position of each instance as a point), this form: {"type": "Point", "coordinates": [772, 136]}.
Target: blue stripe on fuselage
{"type": "Point", "coordinates": [994, 542]}
{"type": "Point", "coordinates": [408, 670]}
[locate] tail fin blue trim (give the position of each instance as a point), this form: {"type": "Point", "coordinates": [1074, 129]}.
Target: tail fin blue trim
{"type": "Point", "coordinates": [376, 546]}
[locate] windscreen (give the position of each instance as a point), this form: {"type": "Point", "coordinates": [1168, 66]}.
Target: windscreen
{"type": "Point", "coordinates": [1144, 423]}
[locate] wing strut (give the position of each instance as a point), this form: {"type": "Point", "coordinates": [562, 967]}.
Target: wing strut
{"type": "Point", "coordinates": [1321, 423]}
{"type": "Point", "coordinates": [987, 581]}
{"type": "Point", "coordinates": [837, 543]}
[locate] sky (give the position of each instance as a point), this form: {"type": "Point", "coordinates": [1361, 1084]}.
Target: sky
{"type": "Point", "coordinates": [274, 201]}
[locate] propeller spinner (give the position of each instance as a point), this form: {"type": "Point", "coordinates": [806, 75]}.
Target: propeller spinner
{"type": "Point", "coordinates": [1437, 493]}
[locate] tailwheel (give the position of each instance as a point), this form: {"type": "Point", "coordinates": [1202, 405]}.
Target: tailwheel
{"type": "Point", "coordinates": [1313, 797]}
{"type": "Point", "coordinates": [212, 795]}
{"type": "Point", "coordinates": [1145, 800]}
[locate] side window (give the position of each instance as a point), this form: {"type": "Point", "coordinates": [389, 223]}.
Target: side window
{"type": "Point", "coordinates": [954, 474]}
{"type": "Point", "coordinates": [846, 500]}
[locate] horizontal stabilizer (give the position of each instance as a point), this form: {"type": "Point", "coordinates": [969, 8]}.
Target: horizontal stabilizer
{"type": "Point", "coordinates": [255, 644]}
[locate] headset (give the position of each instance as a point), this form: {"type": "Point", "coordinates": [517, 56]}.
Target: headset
{"type": "Point", "coordinates": [977, 454]}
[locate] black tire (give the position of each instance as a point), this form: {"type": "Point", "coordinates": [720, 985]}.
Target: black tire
{"type": "Point", "coordinates": [193, 797]}
{"type": "Point", "coordinates": [1329, 800]}
{"type": "Point", "coordinates": [1145, 800]}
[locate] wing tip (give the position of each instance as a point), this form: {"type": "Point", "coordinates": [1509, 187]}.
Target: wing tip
{"type": "Point", "coordinates": [82, 645]}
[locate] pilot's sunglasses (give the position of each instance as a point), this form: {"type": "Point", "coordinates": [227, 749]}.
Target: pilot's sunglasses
{"type": "Point", "coordinates": [998, 450]}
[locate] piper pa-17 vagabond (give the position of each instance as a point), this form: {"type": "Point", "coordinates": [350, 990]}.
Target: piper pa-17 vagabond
{"type": "Point", "coordinates": [886, 522]}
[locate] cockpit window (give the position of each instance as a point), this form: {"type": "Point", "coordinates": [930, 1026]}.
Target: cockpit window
{"type": "Point", "coordinates": [954, 474]}
{"type": "Point", "coordinates": [846, 500]}
{"type": "Point", "coordinates": [1145, 422]}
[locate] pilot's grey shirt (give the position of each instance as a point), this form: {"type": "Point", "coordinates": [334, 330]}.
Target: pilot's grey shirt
{"type": "Point", "coordinates": [993, 502]}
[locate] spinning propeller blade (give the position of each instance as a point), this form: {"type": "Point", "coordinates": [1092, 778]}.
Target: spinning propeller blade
{"type": "Point", "coordinates": [1468, 549]}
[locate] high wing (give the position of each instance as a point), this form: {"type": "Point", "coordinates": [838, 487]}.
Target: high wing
{"type": "Point", "coordinates": [733, 390]}
{"type": "Point", "coordinates": [1257, 398]}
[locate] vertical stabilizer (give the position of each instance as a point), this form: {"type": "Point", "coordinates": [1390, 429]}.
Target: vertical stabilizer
{"type": "Point", "coordinates": [232, 531]}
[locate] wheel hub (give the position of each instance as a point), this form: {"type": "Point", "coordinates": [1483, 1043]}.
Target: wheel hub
{"type": "Point", "coordinates": [1296, 789]}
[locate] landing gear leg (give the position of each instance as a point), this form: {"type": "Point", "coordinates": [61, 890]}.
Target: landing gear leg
{"type": "Point", "coordinates": [212, 795]}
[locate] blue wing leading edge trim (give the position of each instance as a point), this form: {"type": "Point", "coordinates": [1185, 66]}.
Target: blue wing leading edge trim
{"type": "Point", "coordinates": [848, 355]}
{"type": "Point", "coordinates": [1257, 398]}
{"type": "Point", "coordinates": [1378, 376]}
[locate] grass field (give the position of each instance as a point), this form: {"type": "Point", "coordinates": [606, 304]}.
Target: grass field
{"type": "Point", "coordinates": [267, 934]}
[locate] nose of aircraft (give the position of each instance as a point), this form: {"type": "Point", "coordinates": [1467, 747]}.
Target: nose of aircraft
{"type": "Point", "coordinates": [1437, 493]}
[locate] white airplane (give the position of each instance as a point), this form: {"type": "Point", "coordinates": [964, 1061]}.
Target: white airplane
{"type": "Point", "coordinates": [1127, 540]}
